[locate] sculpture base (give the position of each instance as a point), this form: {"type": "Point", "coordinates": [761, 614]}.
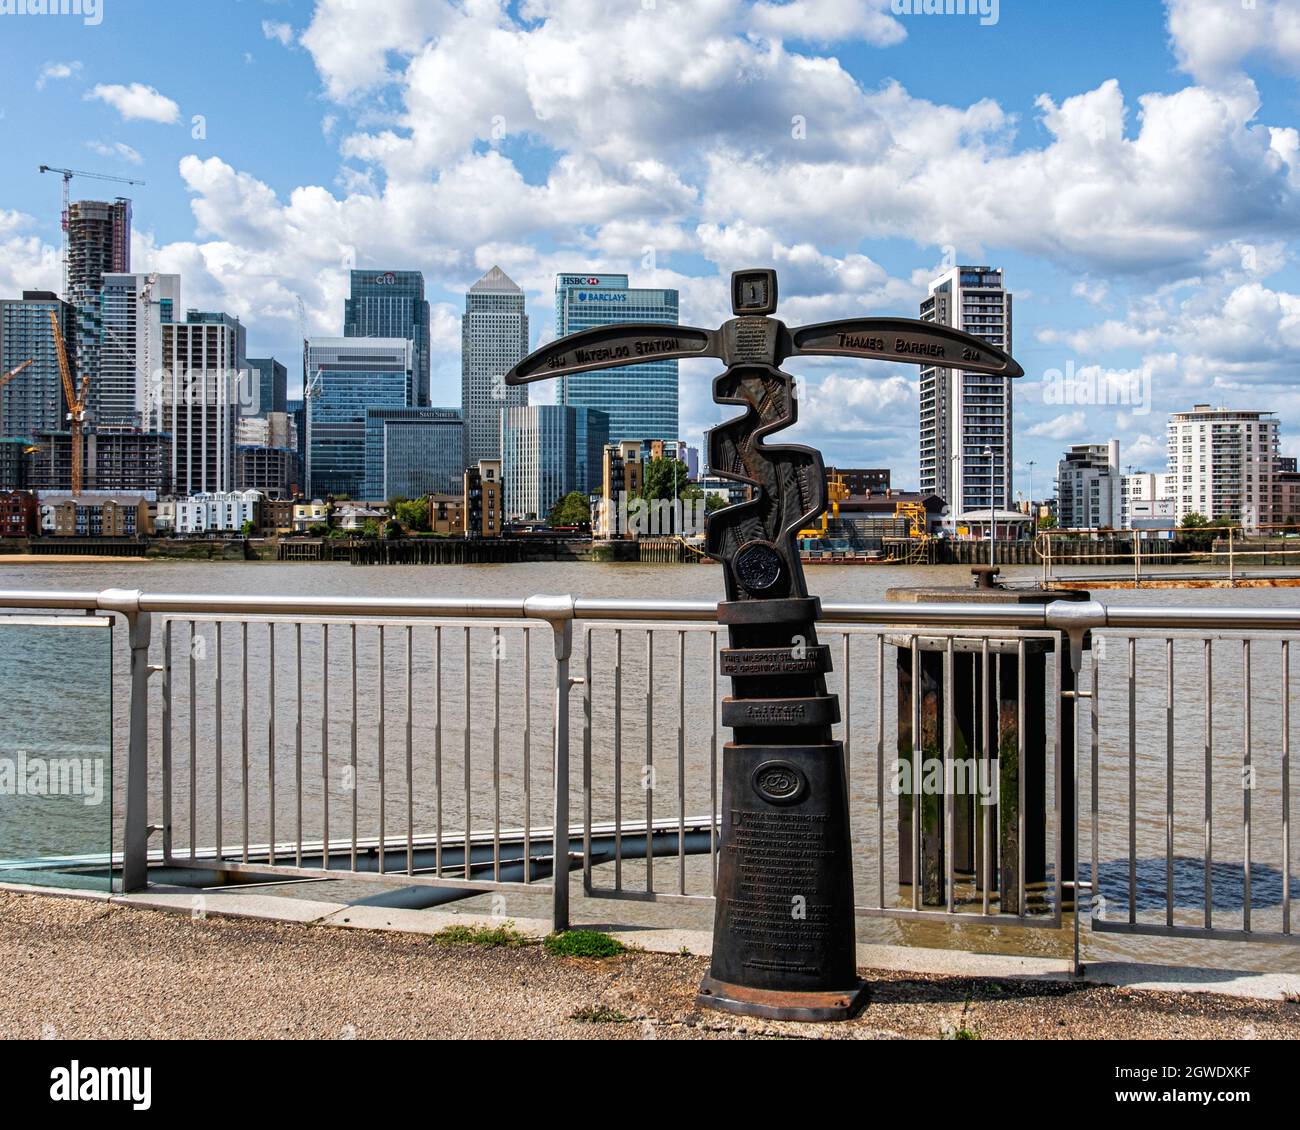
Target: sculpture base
{"type": "Point", "coordinates": [774, 1004]}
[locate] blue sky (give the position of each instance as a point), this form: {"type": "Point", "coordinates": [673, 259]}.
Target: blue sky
{"type": "Point", "coordinates": [1131, 165]}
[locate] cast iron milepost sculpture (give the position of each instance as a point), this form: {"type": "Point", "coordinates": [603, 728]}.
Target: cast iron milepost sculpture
{"type": "Point", "coordinates": [783, 942]}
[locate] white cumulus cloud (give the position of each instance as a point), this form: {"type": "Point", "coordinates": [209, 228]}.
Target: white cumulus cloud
{"type": "Point", "coordinates": [55, 71]}
{"type": "Point", "coordinates": [136, 101]}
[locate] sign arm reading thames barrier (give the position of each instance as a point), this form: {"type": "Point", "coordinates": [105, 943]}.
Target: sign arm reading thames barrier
{"type": "Point", "coordinates": [783, 936]}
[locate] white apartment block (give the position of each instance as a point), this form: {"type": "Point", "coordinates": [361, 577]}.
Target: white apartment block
{"type": "Point", "coordinates": [204, 385]}
{"type": "Point", "coordinates": [964, 415]}
{"type": "Point", "coordinates": [1088, 487]}
{"type": "Point", "coordinates": [1141, 486]}
{"type": "Point", "coordinates": [219, 512]}
{"type": "Point", "coordinates": [1223, 463]}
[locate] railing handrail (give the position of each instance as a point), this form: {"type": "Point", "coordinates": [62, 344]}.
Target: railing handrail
{"type": "Point", "coordinates": [1064, 615]}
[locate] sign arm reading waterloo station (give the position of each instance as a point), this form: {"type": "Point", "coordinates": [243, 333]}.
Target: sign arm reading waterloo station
{"type": "Point", "coordinates": [784, 939]}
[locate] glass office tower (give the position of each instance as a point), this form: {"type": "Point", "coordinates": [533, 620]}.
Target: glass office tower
{"type": "Point", "coordinates": [345, 378]}
{"type": "Point", "coordinates": [392, 304]}
{"type": "Point", "coordinates": [412, 452]}
{"type": "Point", "coordinates": [641, 400]}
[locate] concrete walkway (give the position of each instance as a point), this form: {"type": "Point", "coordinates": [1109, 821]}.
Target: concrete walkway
{"type": "Point", "coordinates": [238, 965]}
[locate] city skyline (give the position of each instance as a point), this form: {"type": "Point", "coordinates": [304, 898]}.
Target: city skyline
{"type": "Point", "coordinates": [1161, 288]}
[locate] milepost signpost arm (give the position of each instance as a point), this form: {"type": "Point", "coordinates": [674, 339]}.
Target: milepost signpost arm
{"type": "Point", "coordinates": [784, 939]}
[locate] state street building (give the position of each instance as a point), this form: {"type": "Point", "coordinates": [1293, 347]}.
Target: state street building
{"type": "Point", "coordinates": [641, 400]}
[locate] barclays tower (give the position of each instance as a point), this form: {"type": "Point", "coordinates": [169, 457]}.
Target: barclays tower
{"type": "Point", "coordinates": [640, 401]}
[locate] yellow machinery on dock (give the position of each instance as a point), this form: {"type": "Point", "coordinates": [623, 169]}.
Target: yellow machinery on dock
{"type": "Point", "coordinates": [836, 491]}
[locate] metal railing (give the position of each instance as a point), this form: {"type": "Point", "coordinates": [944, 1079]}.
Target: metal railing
{"type": "Point", "coordinates": [398, 741]}
{"type": "Point", "coordinates": [1225, 552]}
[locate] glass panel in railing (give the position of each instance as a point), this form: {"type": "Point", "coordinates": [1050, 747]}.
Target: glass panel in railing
{"type": "Point", "coordinates": [56, 751]}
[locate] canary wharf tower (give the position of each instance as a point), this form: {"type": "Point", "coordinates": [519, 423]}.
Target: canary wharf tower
{"type": "Point", "coordinates": [493, 339]}
{"type": "Point", "coordinates": [640, 400]}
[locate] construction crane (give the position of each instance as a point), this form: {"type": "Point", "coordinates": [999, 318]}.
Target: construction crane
{"type": "Point", "coordinates": [67, 175]}
{"type": "Point", "coordinates": [7, 377]}
{"type": "Point", "coordinates": [836, 492]}
{"type": "Point", "coordinates": [76, 399]}
{"type": "Point", "coordinates": [4, 380]}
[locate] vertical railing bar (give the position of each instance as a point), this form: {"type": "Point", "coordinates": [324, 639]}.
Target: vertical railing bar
{"type": "Point", "coordinates": [243, 734]}
{"type": "Point", "coordinates": [1094, 727]}
{"type": "Point", "coordinates": [194, 725]}
{"type": "Point", "coordinates": [352, 751]}
{"type": "Point", "coordinates": [352, 761]}
{"type": "Point", "coordinates": [1247, 776]}
{"type": "Point", "coordinates": [1286, 787]}
{"type": "Point", "coordinates": [914, 772]}
{"type": "Point", "coordinates": [848, 711]}
{"type": "Point", "coordinates": [880, 769]}
{"type": "Point", "coordinates": [618, 759]}
{"type": "Point", "coordinates": [648, 770]}
{"type": "Point", "coordinates": [270, 740]}
{"type": "Point", "coordinates": [1208, 658]}
{"type": "Point", "coordinates": [297, 747]}
{"type": "Point", "coordinates": [1132, 779]}
{"type": "Point", "coordinates": [496, 754]}
{"type": "Point", "coordinates": [410, 758]}
{"type": "Point", "coordinates": [166, 744]}
{"type": "Point", "coordinates": [988, 696]}
{"type": "Point", "coordinates": [217, 790]}
{"type": "Point", "coordinates": [325, 747]}
{"type": "Point", "coordinates": [381, 751]}
{"type": "Point", "coordinates": [714, 709]}
{"type": "Point", "coordinates": [467, 766]}
{"type": "Point", "coordinates": [528, 742]}
{"type": "Point", "coordinates": [1169, 781]}
{"type": "Point", "coordinates": [1020, 782]}
{"type": "Point", "coordinates": [949, 776]}
{"type": "Point", "coordinates": [586, 756]}
{"type": "Point", "coordinates": [681, 762]}
{"type": "Point", "coordinates": [437, 748]}
{"type": "Point", "coordinates": [1058, 751]}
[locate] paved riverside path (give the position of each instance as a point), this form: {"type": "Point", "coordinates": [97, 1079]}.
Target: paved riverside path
{"type": "Point", "coordinates": [83, 968]}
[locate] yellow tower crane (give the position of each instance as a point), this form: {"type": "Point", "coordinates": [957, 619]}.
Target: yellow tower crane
{"type": "Point", "coordinates": [76, 399]}
{"type": "Point", "coordinates": [7, 377]}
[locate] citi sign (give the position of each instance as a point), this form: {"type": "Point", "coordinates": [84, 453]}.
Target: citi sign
{"type": "Point", "coordinates": [386, 279]}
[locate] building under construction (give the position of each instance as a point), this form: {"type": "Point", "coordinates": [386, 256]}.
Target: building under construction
{"type": "Point", "coordinates": [115, 460]}
{"type": "Point", "coordinates": [99, 243]}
